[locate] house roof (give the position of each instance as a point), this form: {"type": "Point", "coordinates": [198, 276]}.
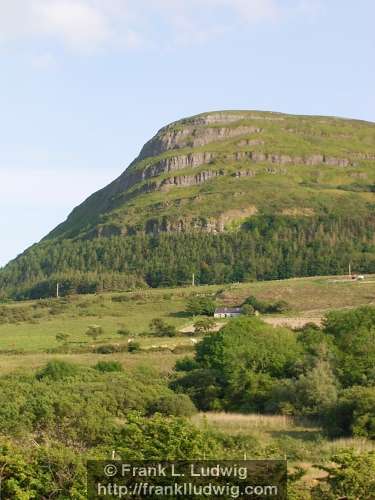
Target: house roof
{"type": "Point", "coordinates": [227, 310]}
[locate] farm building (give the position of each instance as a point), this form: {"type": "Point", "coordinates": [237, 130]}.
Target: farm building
{"type": "Point", "coordinates": [227, 312]}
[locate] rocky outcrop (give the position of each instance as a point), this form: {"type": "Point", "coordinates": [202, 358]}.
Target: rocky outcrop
{"type": "Point", "coordinates": [178, 163]}
{"type": "Point", "coordinates": [193, 160]}
{"type": "Point", "coordinates": [131, 176]}
{"type": "Point", "coordinates": [182, 225]}
{"type": "Point", "coordinates": [190, 180]}
{"type": "Point", "coordinates": [192, 137]}
{"type": "Point", "coordinates": [197, 159]}
{"type": "Point", "coordinates": [244, 173]}
{"type": "Point", "coordinates": [364, 156]}
{"type": "Point", "coordinates": [250, 142]}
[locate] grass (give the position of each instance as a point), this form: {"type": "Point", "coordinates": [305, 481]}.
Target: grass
{"type": "Point", "coordinates": [301, 443]}
{"type": "Point", "coordinates": [162, 362]}
{"type": "Point", "coordinates": [238, 423]}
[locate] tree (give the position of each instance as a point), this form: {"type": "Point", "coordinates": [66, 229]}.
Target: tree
{"type": "Point", "coordinates": [239, 366]}
{"type": "Point", "coordinates": [204, 306]}
{"type": "Point", "coordinates": [248, 310]}
{"type": "Point", "coordinates": [353, 414]}
{"type": "Point", "coordinates": [204, 325]}
{"type": "Point", "coordinates": [317, 390]}
{"type": "Point", "coordinates": [162, 329]}
{"type": "Point", "coordinates": [353, 335]}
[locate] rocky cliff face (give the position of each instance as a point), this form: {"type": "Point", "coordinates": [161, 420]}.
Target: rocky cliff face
{"type": "Point", "coordinates": [195, 170]}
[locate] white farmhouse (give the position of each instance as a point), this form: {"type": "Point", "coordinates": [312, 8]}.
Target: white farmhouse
{"type": "Point", "coordinates": [227, 312]}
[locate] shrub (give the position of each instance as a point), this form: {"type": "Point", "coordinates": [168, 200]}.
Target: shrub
{"type": "Point", "coordinates": [62, 337]}
{"type": "Point", "coordinates": [352, 476]}
{"type": "Point", "coordinates": [204, 325]}
{"type": "Point", "coordinates": [123, 331]}
{"type": "Point", "coordinates": [120, 298]}
{"type": "Point", "coordinates": [162, 438]}
{"type": "Point", "coordinates": [134, 346]}
{"type": "Point", "coordinates": [107, 349]}
{"type": "Point", "coordinates": [162, 329]}
{"type": "Point", "coordinates": [265, 307]}
{"type": "Point", "coordinates": [202, 386]}
{"type": "Point", "coordinates": [186, 364]}
{"type": "Point", "coordinates": [57, 370]}
{"type": "Point", "coordinates": [248, 310]}
{"type": "Point", "coordinates": [178, 405]}
{"type": "Point", "coordinates": [94, 331]}
{"type": "Point", "coordinates": [108, 366]}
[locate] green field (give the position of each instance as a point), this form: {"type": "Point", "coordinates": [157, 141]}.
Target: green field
{"type": "Point", "coordinates": [33, 325]}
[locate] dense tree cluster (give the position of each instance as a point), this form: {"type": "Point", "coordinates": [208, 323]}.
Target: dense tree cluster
{"type": "Point", "coordinates": [267, 247]}
{"type": "Point", "coordinates": [327, 374]}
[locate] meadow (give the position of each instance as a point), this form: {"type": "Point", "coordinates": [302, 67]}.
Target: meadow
{"type": "Point", "coordinates": [32, 326]}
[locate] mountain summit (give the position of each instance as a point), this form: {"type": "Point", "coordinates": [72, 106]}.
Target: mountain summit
{"type": "Point", "coordinates": [228, 195]}
{"type": "Point", "coordinates": [214, 170]}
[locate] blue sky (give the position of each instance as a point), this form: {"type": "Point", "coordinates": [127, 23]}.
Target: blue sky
{"type": "Point", "coordinates": [84, 83]}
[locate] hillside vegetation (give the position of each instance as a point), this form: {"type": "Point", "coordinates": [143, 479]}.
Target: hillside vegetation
{"type": "Point", "coordinates": [228, 196]}
{"type": "Point", "coordinates": [83, 377]}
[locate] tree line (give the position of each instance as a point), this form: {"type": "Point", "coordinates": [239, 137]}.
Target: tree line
{"type": "Point", "coordinates": [266, 248]}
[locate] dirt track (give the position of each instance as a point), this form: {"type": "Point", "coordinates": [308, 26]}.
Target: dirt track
{"type": "Point", "coordinates": [298, 322]}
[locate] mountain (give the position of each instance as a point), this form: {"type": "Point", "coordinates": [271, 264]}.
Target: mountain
{"type": "Point", "coordinates": [228, 195]}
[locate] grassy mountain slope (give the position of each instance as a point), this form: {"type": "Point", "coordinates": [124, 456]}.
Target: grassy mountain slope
{"type": "Point", "coordinates": [230, 196]}
{"type": "Point", "coordinates": [214, 170]}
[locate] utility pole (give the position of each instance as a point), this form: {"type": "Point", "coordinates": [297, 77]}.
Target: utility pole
{"type": "Point", "coordinates": [57, 290]}
{"type": "Point", "coordinates": [350, 270]}
{"type": "Point", "coordinates": [193, 280]}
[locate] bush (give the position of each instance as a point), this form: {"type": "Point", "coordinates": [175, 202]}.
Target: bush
{"type": "Point", "coordinates": [107, 349]}
{"type": "Point", "coordinates": [280, 306]}
{"type": "Point", "coordinates": [351, 476]}
{"type": "Point", "coordinates": [204, 325]}
{"type": "Point", "coordinates": [123, 331]}
{"type": "Point", "coordinates": [248, 310]}
{"type": "Point", "coordinates": [178, 405]}
{"type": "Point", "coordinates": [186, 364]}
{"type": "Point", "coordinates": [120, 298]}
{"type": "Point", "coordinates": [202, 386]}
{"type": "Point", "coordinates": [134, 346]}
{"type": "Point", "coordinates": [162, 329]}
{"type": "Point", "coordinates": [62, 337]}
{"type": "Point", "coordinates": [108, 366]}
{"type": "Point", "coordinates": [265, 307]}
{"type": "Point", "coordinates": [94, 331]}
{"type": "Point", "coordinates": [57, 370]}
